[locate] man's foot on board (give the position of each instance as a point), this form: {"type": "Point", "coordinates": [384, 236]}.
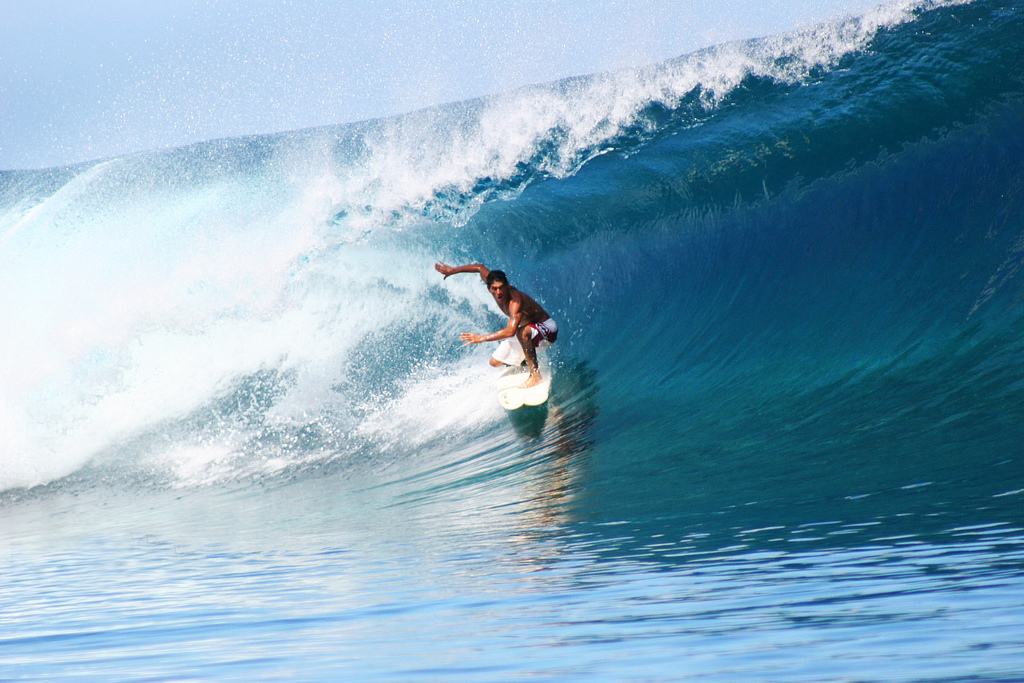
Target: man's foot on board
{"type": "Point", "coordinates": [532, 381]}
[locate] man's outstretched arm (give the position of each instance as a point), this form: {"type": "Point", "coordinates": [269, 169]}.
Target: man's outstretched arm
{"type": "Point", "coordinates": [447, 270]}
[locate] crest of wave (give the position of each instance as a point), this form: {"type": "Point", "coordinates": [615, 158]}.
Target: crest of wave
{"type": "Point", "coordinates": [448, 160]}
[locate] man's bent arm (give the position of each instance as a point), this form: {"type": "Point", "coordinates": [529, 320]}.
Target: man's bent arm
{"type": "Point", "coordinates": [447, 270]}
{"type": "Point", "coordinates": [508, 331]}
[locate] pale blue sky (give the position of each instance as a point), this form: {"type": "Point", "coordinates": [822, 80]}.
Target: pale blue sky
{"type": "Point", "coordinates": [84, 79]}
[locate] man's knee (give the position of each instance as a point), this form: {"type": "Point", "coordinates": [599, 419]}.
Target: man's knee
{"type": "Point", "coordinates": [495, 363]}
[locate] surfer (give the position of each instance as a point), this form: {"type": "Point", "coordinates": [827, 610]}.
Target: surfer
{"type": "Point", "coordinates": [528, 327]}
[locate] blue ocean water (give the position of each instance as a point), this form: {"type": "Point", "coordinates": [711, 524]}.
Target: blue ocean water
{"type": "Point", "coordinates": [240, 440]}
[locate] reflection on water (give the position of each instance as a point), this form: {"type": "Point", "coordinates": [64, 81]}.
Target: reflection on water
{"type": "Point", "coordinates": [557, 440]}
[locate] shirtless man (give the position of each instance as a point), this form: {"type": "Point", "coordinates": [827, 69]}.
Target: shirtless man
{"type": "Point", "coordinates": [528, 324]}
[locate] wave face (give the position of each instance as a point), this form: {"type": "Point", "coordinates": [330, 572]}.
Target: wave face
{"type": "Point", "coordinates": [787, 274]}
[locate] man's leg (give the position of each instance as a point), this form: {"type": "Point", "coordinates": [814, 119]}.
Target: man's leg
{"type": "Point", "coordinates": [507, 353]}
{"type": "Point", "coordinates": [525, 338]}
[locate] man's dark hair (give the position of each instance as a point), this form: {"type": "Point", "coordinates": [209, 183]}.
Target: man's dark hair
{"type": "Point", "coordinates": [496, 276]}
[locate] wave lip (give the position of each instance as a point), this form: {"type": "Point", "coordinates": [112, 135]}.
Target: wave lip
{"type": "Point", "coordinates": [447, 161]}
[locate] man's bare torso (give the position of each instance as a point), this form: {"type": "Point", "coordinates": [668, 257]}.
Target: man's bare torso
{"type": "Point", "coordinates": [530, 311]}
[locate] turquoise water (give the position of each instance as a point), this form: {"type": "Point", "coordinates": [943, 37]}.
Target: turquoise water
{"type": "Point", "coordinates": [240, 439]}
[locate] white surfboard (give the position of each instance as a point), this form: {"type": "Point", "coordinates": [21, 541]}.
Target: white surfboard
{"type": "Point", "coordinates": [512, 396]}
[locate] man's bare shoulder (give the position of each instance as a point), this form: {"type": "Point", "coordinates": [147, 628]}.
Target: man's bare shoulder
{"type": "Point", "coordinates": [529, 309]}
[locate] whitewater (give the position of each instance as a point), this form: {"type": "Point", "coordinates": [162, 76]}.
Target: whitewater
{"type": "Point", "coordinates": [240, 438]}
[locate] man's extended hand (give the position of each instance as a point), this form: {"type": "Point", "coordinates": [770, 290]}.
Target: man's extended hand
{"type": "Point", "coordinates": [444, 269]}
{"type": "Point", "coordinates": [471, 338]}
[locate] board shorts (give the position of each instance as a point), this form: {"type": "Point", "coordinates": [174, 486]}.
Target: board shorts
{"type": "Point", "coordinates": [510, 351]}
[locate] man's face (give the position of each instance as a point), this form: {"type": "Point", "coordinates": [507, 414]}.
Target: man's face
{"type": "Point", "coordinates": [499, 290]}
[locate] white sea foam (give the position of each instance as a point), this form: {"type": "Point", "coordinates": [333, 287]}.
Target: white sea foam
{"type": "Point", "coordinates": [436, 403]}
